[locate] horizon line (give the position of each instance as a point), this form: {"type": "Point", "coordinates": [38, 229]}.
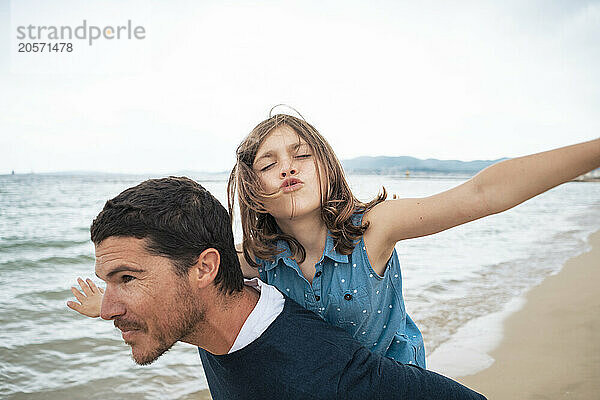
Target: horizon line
{"type": "Point", "coordinates": [84, 171]}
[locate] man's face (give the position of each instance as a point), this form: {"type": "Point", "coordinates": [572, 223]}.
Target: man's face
{"type": "Point", "coordinates": [148, 302]}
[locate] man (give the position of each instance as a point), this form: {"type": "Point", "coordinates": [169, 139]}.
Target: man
{"type": "Point", "coordinates": [165, 250]}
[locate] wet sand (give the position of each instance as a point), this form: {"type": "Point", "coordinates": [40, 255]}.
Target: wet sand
{"type": "Point", "coordinates": [551, 347]}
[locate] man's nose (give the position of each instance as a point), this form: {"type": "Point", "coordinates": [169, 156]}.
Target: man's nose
{"type": "Point", "coordinates": [111, 306]}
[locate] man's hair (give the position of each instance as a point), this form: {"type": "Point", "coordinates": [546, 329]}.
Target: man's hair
{"type": "Point", "coordinates": [179, 220]}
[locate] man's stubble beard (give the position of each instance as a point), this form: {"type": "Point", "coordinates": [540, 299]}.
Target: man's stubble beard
{"type": "Point", "coordinates": [189, 316]}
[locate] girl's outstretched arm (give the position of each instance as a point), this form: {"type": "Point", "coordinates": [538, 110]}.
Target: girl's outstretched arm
{"type": "Point", "coordinates": [511, 182]}
{"type": "Point", "coordinates": [90, 301]}
{"type": "Point", "coordinates": [495, 189]}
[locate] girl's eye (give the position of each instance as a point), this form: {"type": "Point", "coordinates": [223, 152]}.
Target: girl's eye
{"type": "Point", "coordinates": [266, 167]}
{"type": "Point", "coordinates": [303, 156]}
{"type": "Point", "coordinates": [127, 278]}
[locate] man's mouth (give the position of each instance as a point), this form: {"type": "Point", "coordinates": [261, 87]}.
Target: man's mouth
{"type": "Point", "coordinates": [127, 330]}
{"type": "Point", "coordinates": [291, 184]}
{"type": "Point", "coordinates": [127, 335]}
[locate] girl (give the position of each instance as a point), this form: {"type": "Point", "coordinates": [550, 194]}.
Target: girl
{"type": "Point", "coordinates": [305, 232]}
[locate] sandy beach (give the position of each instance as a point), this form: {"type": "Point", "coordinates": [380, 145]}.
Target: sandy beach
{"type": "Point", "coordinates": [551, 347]}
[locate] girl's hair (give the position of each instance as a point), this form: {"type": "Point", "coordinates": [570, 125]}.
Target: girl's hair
{"type": "Point", "coordinates": [338, 204]}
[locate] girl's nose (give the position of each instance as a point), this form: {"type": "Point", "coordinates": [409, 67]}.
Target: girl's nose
{"type": "Point", "coordinates": [287, 168]}
{"type": "Point", "coordinates": [288, 172]}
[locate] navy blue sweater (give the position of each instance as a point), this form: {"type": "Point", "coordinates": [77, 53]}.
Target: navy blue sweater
{"type": "Point", "coordinates": [300, 356]}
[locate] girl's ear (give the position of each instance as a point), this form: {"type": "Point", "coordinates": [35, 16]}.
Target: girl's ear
{"type": "Point", "coordinates": [203, 273]}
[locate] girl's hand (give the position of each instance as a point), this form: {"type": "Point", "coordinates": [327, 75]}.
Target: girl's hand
{"type": "Point", "coordinates": [90, 301]}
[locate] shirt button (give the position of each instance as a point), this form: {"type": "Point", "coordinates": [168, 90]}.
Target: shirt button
{"type": "Point", "coordinates": [317, 298]}
{"type": "Point", "coordinates": [348, 296]}
{"type": "Point", "coordinates": [318, 274]}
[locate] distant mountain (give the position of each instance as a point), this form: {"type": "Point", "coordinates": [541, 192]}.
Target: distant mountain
{"type": "Point", "coordinates": [399, 165]}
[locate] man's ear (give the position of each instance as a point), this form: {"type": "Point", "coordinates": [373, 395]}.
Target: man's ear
{"type": "Point", "coordinates": [203, 273]}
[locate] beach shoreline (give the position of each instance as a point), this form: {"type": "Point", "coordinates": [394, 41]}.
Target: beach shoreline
{"type": "Point", "coordinates": [551, 346]}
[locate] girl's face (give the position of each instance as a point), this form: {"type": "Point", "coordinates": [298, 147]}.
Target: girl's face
{"type": "Point", "coordinates": [285, 165]}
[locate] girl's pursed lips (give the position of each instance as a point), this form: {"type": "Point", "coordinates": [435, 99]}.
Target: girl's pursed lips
{"type": "Point", "coordinates": [292, 187]}
{"type": "Point", "coordinates": [290, 182]}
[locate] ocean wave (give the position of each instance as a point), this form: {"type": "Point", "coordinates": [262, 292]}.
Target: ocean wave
{"type": "Point", "coordinates": [39, 244]}
{"type": "Point", "coordinates": [59, 294]}
{"type": "Point", "coordinates": [47, 261]}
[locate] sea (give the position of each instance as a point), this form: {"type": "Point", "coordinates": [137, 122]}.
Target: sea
{"type": "Point", "coordinates": [458, 284]}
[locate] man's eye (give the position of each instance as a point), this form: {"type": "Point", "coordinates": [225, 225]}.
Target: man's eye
{"type": "Point", "coordinates": [266, 167]}
{"type": "Point", "coordinates": [127, 278]}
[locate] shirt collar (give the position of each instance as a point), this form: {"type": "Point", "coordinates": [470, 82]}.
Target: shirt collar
{"type": "Point", "coordinates": [329, 252]}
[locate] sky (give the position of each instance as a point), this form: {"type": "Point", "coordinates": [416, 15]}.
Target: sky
{"type": "Point", "coordinates": [432, 79]}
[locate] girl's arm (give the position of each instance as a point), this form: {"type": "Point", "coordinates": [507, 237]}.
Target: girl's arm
{"type": "Point", "coordinates": [495, 189]}
{"type": "Point", "coordinates": [90, 301]}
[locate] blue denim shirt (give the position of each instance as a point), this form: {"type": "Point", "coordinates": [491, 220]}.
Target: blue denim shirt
{"type": "Point", "coordinates": [346, 292]}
